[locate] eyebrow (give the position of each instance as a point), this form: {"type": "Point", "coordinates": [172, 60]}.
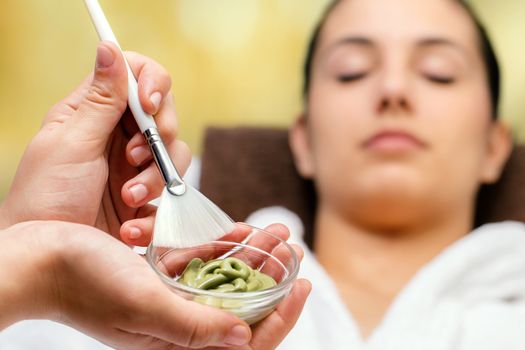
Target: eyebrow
{"type": "Point", "coordinates": [441, 42]}
{"type": "Point", "coordinates": [357, 40]}
{"type": "Point", "coordinates": [425, 42]}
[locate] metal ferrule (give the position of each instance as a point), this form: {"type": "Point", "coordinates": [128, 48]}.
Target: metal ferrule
{"type": "Point", "coordinates": [173, 180]}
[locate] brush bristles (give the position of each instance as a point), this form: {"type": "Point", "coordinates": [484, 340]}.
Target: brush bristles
{"type": "Point", "coordinates": [189, 220]}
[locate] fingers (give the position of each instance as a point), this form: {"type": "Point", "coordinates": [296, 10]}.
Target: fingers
{"type": "Point", "coordinates": [281, 256]}
{"type": "Point", "coordinates": [298, 251]}
{"type": "Point", "coordinates": [138, 232]}
{"type": "Point", "coordinates": [279, 230]}
{"type": "Point", "coordinates": [174, 262]}
{"type": "Point", "coordinates": [143, 188]}
{"type": "Point", "coordinates": [100, 101]}
{"type": "Point", "coordinates": [269, 333]}
{"type": "Point", "coordinates": [190, 324]}
{"type": "Point", "coordinates": [137, 151]}
{"type": "Point", "coordinates": [265, 243]}
{"type": "Point", "coordinates": [166, 120]}
{"type": "Point", "coordinates": [239, 234]}
{"type": "Point", "coordinates": [105, 99]}
{"type": "Point", "coordinates": [153, 80]}
{"type": "Point", "coordinates": [149, 184]}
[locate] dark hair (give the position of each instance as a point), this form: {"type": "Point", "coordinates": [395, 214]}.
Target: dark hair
{"type": "Point", "coordinates": [487, 51]}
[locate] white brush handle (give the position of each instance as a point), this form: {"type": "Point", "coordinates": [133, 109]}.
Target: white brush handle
{"type": "Point", "coordinates": [144, 120]}
{"type": "Point", "coordinates": [146, 123]}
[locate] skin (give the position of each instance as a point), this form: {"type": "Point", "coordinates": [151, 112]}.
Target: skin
{"type": "Point", "coordinates": [387, 206]}
{"type": "Point", "coordinates": [84, 278]}
{"type": "Point", "coordinates": [81, 167]}
{"type": "Point", "coordinates": [89, 164]}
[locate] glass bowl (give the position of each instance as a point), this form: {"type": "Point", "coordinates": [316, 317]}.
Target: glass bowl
{"type": "Point", "coordinates": [259, 249]}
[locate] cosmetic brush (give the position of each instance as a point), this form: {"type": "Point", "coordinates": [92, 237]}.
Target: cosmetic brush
{"type": "Point", "coordinates": [185, 217]}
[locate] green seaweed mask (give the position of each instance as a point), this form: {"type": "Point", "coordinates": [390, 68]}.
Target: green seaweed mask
{"type": "Point", "coordinates": [229, 275]}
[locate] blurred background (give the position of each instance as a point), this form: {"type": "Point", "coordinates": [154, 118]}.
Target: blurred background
{"type": "Point", "coordinates": [233, 62]}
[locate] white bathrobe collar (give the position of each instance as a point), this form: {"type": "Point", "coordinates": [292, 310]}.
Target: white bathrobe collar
{"type": "Point", "coordinates": [469, 297]}
{"type": "Point", "coordinates": [486, 267]}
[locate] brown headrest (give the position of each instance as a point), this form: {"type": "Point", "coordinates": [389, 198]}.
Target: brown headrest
{"type": "Point", "coordinates": [245, 169]}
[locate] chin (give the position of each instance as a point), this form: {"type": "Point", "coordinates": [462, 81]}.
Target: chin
{"type": "Point", "coordinates": [390, 194]}
{"type": "Point", "coordinates": [386, 208]}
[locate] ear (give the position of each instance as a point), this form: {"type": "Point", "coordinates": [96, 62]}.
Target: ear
{"type": "Point", "coordinates": [300, 144]}
{"type": "Point", "coordinates": [498, 151]}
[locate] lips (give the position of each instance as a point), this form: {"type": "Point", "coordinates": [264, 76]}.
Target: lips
{"type": "Point", "coordinates": [394, 141]}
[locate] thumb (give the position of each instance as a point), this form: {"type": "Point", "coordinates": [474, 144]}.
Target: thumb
{"type": "Point", "coordinates": [106, 98]}
{"type": "Point", "coordinates": [189, 324]}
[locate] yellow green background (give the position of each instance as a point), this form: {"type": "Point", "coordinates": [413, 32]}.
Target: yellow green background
{"type": "Point", "coordinates": [233, 62]}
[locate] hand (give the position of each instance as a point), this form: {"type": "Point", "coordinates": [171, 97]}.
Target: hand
{"type": "Point", "coordinates": [86, 279]}
{"type": "Point", "coordinates": [270, 332]}
{"type": "Point", "coordinates": [89, 164]}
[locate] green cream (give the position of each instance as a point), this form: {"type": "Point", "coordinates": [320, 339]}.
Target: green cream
{"type": "Point", "coordinates": [229, 275]}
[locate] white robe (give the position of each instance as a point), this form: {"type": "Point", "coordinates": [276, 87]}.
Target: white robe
{"type": "Point", "coordinates": [470, 297]}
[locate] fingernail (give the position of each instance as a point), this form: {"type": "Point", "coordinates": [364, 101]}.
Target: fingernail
{"type": "Point", "coordinates": [105, 57]}
{"type": "Point", "coordinates": [139, 154]}
{"type": "Point", "coordinates": [138, 192]}
{"type": "Point", "coordinates": [239, 335]}
{"type": "Point", "coordinates": [135, 232]}
{"type": "Point", "coordinates": [155, 99]}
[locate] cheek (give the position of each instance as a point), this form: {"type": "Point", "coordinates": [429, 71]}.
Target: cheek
{"type": "Point", "coordinates": [457, 126]}
{"type": "Point", "coordinates": [338, 122]}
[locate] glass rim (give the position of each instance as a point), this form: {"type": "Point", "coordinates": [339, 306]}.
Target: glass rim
{"type": "Point", "coordinates": [236, 295]}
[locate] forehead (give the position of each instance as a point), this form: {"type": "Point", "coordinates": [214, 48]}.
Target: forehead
{"type": "Point", "coordinates": [400, 22]}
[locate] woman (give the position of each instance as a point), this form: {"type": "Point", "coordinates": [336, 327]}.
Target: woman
{"type": "Point", "coordinates": [400, 129]}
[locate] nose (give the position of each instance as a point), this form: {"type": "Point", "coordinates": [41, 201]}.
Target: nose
{"type": "Point", "coordinates": [393, 87]}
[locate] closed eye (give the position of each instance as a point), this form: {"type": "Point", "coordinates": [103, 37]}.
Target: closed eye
{"type": "Point", "coordinates": [443, 80]}
{"type": "Point", "coordinates": [348, 78]}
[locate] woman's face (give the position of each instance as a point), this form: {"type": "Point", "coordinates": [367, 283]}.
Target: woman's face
{"type": "Point", "coordinates": [398, 123]}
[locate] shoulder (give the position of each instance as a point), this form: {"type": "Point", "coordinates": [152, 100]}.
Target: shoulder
{"type": "Point", "coordinates": [497, 325]}
{"type": "Point", "coordinates": [508, 227]}
{"type": "Point", "coordinates": [500, 238]}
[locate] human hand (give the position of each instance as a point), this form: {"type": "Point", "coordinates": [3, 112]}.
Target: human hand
{"type": "Point", "coordinates": [270, 332]}
{"type": "Point", "coordinates": [79, 276]}
{"type": "Point", "coordinates": [89, 164]}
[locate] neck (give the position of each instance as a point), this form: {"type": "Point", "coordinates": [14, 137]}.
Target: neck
{"type": "Point", "coordinates": [370, 267]}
